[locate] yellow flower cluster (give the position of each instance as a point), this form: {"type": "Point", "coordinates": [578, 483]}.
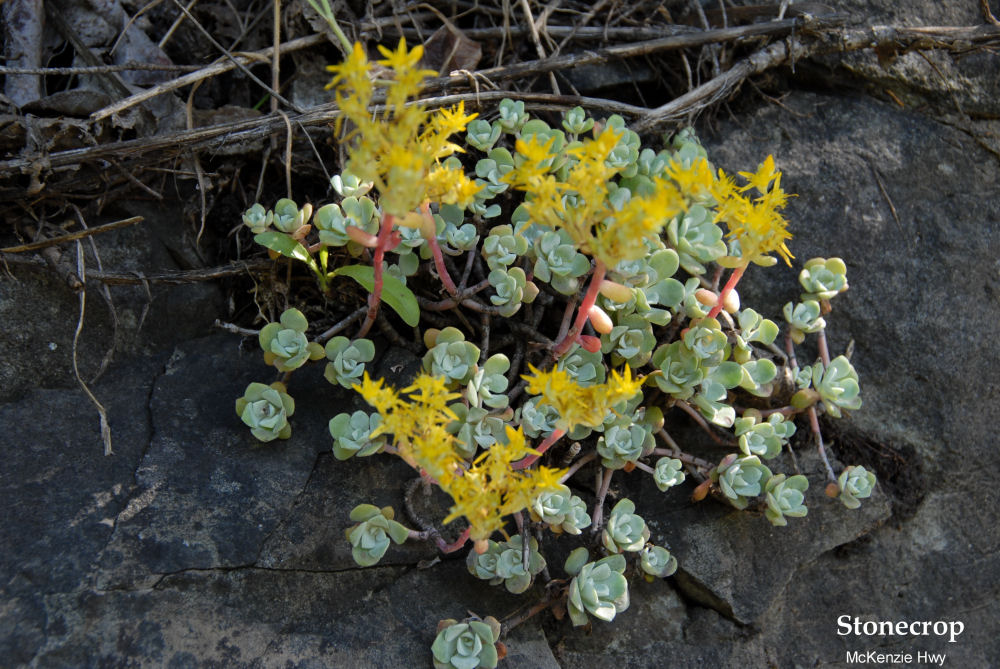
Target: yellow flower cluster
{"type": "Point", "coordinates": [580, 204]}
{"type": "Point", "coordinates": [577, 405]}
{"type": "Point", "coordinates": [756, 222]}
{"type": "Point", "coordinates": [484, 491]}
{"type": "Point", "coordinates": [401, 149]}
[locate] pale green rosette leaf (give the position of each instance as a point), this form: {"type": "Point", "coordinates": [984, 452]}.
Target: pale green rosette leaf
{"type": "Point", "coordinates": [562, 510]}
{"type": "Point", "coordinates": [370, 537]}
{"type": "Point", "coordinates": [785, 498]}
{"type": "Point", "coordinates": [347, 360]}
{"type": "Point", "coordinates": [599, 589]}
{"type": "Point", "coordinates": [855, 483]}
{"type": "Point", "coordinates": [257, 218]}
{"type": "Point", "coordinates": [741, 478]}
{"type": "Point", "coordinates": [466, 645]}
{"type": "Point", "coordinates": [803, 318]}
{"type": "Point", "coordinates": [452, 357]}
{"type": "Point", "coordinates": [837, 385]}
{"type": "Point", "coordinates": [668, 473]}
{"type": "Point", "coordinates": [823, 278]}
{"type": "Point", "coordinates": [624, 444]}
{"type": "Point", "coordinates": [265, 409]}
{"type": "Point", "coordinates": [625, 530]}
{"type": "Point", "coordinates": [352, 434]}
{"type": "Point", "coordinates": [285, 344]}
{"type": "Point", "coordinates": [657, 562]}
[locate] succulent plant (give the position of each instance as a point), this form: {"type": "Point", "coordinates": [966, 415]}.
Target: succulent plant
{"type": "Point", "coordinates": [347, 360]}
{"type": "Point", "coordinates": [631, 341]}
{"type": "Point", "coordinates": [803, 318]}
{"type": "Point", "coordinates": [489, 384]}
{"type": "Point", "coordinates": [741, 478]}
{"type": "Point", "coordinates": [681, 370]}
{"type": "Point", "coordinates": [600, 589]}
{"type": "Point", "coordinates": [474, 428]}
{"type": "Point", "coordinates": [265, 409]}
{"type": "Point", "coordinates": [512, 115]}
{"type": "Point", "coordinates": [668, 473]}
{"type": "Point", "coordinates": [502, 247]}
{"type": "Point", "coordinates": [575, 121]}
{"type": "Point", "coordinates": [707, 342]}
{"type": "Point", "coordinates": [257, 218]}
{"type": "Point", "coordinates": [625, 154]}
{"type": "Point", "coordinates": [348, 185]}
{"type": "Point", "coordinates": [837, 385]}
{"type": "Point", "coordinates": [536, 420]}
{"type": "Point", "coordinates": [504, 563]}
{"type": "Point", "coordinates": [287, 215]}
{"type": "Point", "coordinates": [558, 263]}
{"type": "Point", "coordinates": [562, 510]}
{"type": "Point", "coordinates": [622, 444]}
{"type": "Point", "coordinates": [763, 439]}
{"type": "Point", "coordinates": [351, 434]}
{"type": "Point", "coordinates": [823, 278]}
{"type": "Point", "coordinates": [331, 220]}
{"type": "Point", "coordinates": [625, 530]}
{"type": "Point", "coordinates": [512, 289]}
{"type": "Point", "coordinates": [757, 375]}
{"type": "Point", "coordinates": [784, 497]}
{"type": "Point", "coordinates": [285, 344]}
{"type": "Point", "coordinates": [492, 169]}
{"type": "Point", "coordinates": [456, 236]}
{"type": "Point", "coordinates": [466, 645]}
{"type": "Point", "coordinates": [855, 483]}
{"type": "Point", "coordinates": [697, 239]}
{"type": "Point", "coordinates": [656, 562]}
{"type": "Point", "coordinates": [482, 134]}
{"type": "Point", "coordinates": [370, 536]}
{"type": "Point", "coordinates": [585, 367]}
{"type": "Point", "coordinates": [752, 328]}
{"type": "Point", "coordinates": [450, 356]}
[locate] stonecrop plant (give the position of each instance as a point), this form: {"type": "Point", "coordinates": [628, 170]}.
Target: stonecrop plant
{"type": "Point", "coordinates": [517, 220]}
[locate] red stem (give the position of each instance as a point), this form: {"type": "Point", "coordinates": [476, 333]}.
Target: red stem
{"type": "Point", "coordinates": [431, 238]}
{"type": "Point", "coordinates": [384, 235]}
{"type": "Point", "coordinates": [734, 279]}
{"type": "Point", "coordinates": [445, 547]}
{"type": "Point", "coordinates": [553, 437]}
{"type": "Point", "coordinates": [584, 312]}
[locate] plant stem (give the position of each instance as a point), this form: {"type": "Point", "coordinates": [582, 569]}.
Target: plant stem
{"type": "Point", "coordinates": [683, 457]}
{"type": "Point", "coordinates": [431, 238]}
{"type": "Point", "coordinates": [734, 279]}
{"type": "Point", "coordinates": [824, 349]}
{"type": "Point", "coordinates": [814, 425]}
{"type": "Point", "coordinates": [581, 315]}
{"type": "Point", "coordinates": [602, 492]}
{"type": "Point", "coordinates": [553, 437]}
{"type": "Point", "coordinates": [384, 232]}
{"type": "Point", "coordinates": [576, 466]}
{"type": "Point", "coordinates": [445, 547]}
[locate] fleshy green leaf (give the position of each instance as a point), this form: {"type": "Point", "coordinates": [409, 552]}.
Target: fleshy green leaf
{"type": "Point", "coordinates": [394, 293]}
{"type": "Point", "coordinates": [281, 243]}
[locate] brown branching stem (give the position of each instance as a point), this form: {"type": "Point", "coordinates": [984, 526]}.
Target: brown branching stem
{"type": "Point", "coordinates": [602, 492]}
{"type": "Point", "coordinates": [820, 448]}
{"type": "Point", "coordinates": [702, 423]}
{"type": "Point", "coordinates": [575, 467]}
